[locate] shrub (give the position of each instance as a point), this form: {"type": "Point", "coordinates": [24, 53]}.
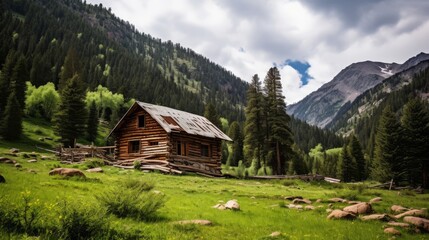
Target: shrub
{"type": "Point", "coordinates": [137, 165]}
{"type": "Point", "coordinates": [93, 163]}
{"type": "Point", "coordinates": [241, 170]}
{"type": "Point", "coordinates": [133, 199]}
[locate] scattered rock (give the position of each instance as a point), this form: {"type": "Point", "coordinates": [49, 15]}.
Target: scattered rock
{"type": "Point", "coordinates": [95, 170]}
{"type": "Point", "coordinates": [18, 165]}
{"type": "Point", "coordinates": [275, 234]}
{"type": "Point", "coordinates": [329, 210]}
{"type": "Point", "coordinates": [293, 197]}
{"type": "Point", "coordinates": [5, 160]}
{"type": "Point", "coordinates": [232, 204]}
{"type": "Point", "coordinates": [339, 214]}
{"type": "Point", "coordinates": [330, 205]}
{"type": "Point", "coordinates": [380, 217]}
{"type": "Point", "coordinates": [309, 207]}
{"type": "Point", "coordinates": [67, 172]}
{"type": "Point", "coordinates": [374, 200]}
{"type": "Point", "coordinates": [33, 154]}
{"type": "Point", "coordinates": [353, 202]}
{"type": "Point", "coordinates": [299, 207]}
{"type": "Point", "coordinates": [398, 224]}
{"type": "Point", "coordinates": [319, 200]}
{"type": "Point", "coordinates": [2, 180]}
{"type": "Point", "coordinates": [335, 200]}
{"type": "Point", "coordinates": [14, 150]}
{"type": "Point", "coordinates": [299, 200]}
{"type": "Point", "coordinates": [196, 221]}
{"type": "Point", "coordinates": [418, 221]}
{"type": "Point", "coordinates": [392, 231]}
{"type": "Point", "coordinates": [219, 206]}
{"type": "Point", "coordinates": [43, 157]}
{"type": "Point", "coordinates": [32, 161]}
{"type": "Point", "coordinates": [413, 212]}
{"type": "Point", "coordinates": [25, 155]}
{"type": "Point", "coordinates": [398, 209]}
{"type": "Point", "coordinates": [11, 154]}
{"type": "Point", "coordinates": [32, 171]}
{"type": "Point", "coordinates": [291, 205]}
{"type": "Point", "coordinates": [157, 192]}
{"type": "Point", "coordinates": [360, 208]}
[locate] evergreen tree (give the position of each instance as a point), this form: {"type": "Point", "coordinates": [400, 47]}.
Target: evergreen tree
{"type": "Point", "coordinates": [387, 162]}
{"type": "Point", "coordinates": [415, 121]}
{"type": "Point", "coordinates": [253, 126]}
{"type": "Point", "coordinates": [11, 124]}
{"type": "Point", "coordinates": [346, 167]}
{"type": "Point", "coordinates": [279, 135]}
{"type": "Point", "coordinates": [211, 114]}
{"type": "Point", "coordinates": [237, 146]}
{"type": "Point", "coordinates": [5, 80]}
{"type": "Point", "coordinates": [70, 68]}
{"type": "Point", "coordinates": [358, 158]}
{"type": "Point", "coordinates": [92, 125]}
{"type": "Point", "coordinates": [18, 79]}
{"type": "Point", "coordinates": [71, 117]}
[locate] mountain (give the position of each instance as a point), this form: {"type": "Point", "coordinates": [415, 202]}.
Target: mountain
{"type": "Point", "coordinates": [322, 106]}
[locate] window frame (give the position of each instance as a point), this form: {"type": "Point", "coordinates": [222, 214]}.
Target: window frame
{"type": "Point", "coordinates": [130, 146]}
{"type": "Point", "coordinates": [206, 146]}
{"type": "Point", "coordinates": [141, 116]}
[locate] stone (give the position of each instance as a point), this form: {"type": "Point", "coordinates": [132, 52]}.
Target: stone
{"type": "Point", "coordinates": [95, 170]}
{"type": "Point", "coordinates": [275, 234]}
{"type": "Point", "coordinates": [380, 217]}
{"type": "Point", "coordinates": [335, 200]}
{"type": "Point", "coordinates": [374, 200]}
{"type": "Point", "coordinates": [5, 160]}
{"type": "Point", "coordinates": [67, 172]}
{"type": "Point", "coordinates": [319, 200]}
{"type": "Point", "coordinates": [398, 209]}
{"type": "Point", "coordinates": [392, 231]}
{"type": "Point", "coordinates": [398, 224]}
{"type": "Point", "coordinates": [339, 214]}
{"type": "Point", "coordinates": [157, 192]}
{"type": "Point", "coordinates": [292, 197]}
{"type": "Point", "coordinates": [330, 205]}
{"type": "Point", "coordinates": [232, 204]}
{"type": "Point", "coordinates": [353, 202]}
{"type": "Point", "coordinates": [422, 223]}
{"type": "Point", "coordinates": [2, 179]}
{"type": "Point", "coordinates": [43, 157]}
{"type": "Point", "coordinates": [309, 207]}
{"type": "Point", "coordinates": [291, 206]}
{"type": "Point", "coordinates": [329, 210]}
{"type": "Point", "coordinates": [14, 150]}
{"type": "Point", "coordinates": [412, 212]}
{"type": "Point", "coordinates": [195, 221]}
{"type": "Point", "coordinates": [32, 161]}
{"type": "Point", "coordinates": [32, 171]}
{"type": "Point", "coordinates": [18, 165]}
{"type": "Point", "coordinates": [299, 207]}
{"type": "Point", "coordinates": [299, 200]}
{"type": "Point", "coordinates": [360, 208]}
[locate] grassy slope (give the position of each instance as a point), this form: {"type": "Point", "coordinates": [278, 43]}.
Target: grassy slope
{"type": "Point", "coordinates": [192, 197]}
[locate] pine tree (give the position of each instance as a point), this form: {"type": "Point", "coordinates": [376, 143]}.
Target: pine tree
{"type": "Point", "coordinates": [92, 125]}
{"type": "Point", "coordinates": [237, 146]}
{"type": "Point", "coordinates": [211, 114]}
{"type": "Point", "coordinates": [253, 127]}
{"type": "Point", "coordinates": [358, 158]}
{"type": "Point", "coordinates": [279, 135]}
{"type": "Point", "coordinates": [415, 122]}
{"type": "Point", "coordinates": [11, 124]}
{"type": "Point", "coordinates": [18, 79]}
{"type": "Point", "coordinates": [387, 162]}
{"type": "Point", "coordinates": [346, 167]}
{"type": "Point", "coordinates": [71, 117]}
{"type": "Point", "coordinates": [70, 68]}
{"type": "Point", "coordinates": [5, 80]}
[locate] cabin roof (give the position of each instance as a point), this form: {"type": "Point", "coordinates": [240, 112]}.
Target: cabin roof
{"type": "Point", "coordinates": [173, 120]}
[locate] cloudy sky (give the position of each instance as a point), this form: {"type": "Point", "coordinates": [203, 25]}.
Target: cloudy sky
{"type": "Point", "coordinates": [309, 40]}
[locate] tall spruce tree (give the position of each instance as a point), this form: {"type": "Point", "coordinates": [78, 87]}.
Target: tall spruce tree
{"type": "Point", "coordinates": [211, 114]}
{"type": "Point", "coordinates": [237, 146]}
{"type": "Point", "coordinates": [70, 68]}
{"type": "Point", "coordinates": [415, 122]}
{"type": "Point", "coordinates": [388, 159]}
{"type": "Point", "coordinates": [18, 79]}
{"type": "Point", "coordinates": [71, 117]}
{"type": "Point", "coordinates": [346, 167]}
{"type": "Point", "coordinates": [279, 135]}
{"type": "Point", "coordinates": [358, 158]}
{"type": "Point", "coordinates": [253, 126]}
{"type": "Point", "coordinates": [11, 124]}
{"type": "Point", "coordinates": [5, 80]}
{"type": "Point", "coordinates": [92, 125]}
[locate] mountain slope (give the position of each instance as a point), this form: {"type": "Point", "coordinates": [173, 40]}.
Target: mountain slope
{"type": "Point", "coordinates": [320, 107]}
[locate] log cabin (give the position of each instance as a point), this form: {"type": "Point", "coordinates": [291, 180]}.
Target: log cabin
{"type": "Point", "coordinates": [168, 137]}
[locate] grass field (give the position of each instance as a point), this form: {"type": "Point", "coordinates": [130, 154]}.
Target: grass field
{"type": "Point", "coordinates": [192, 197]}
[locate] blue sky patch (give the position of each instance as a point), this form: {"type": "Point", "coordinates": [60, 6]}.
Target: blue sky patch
{"type": "Point", "coordinates": [301, 67]}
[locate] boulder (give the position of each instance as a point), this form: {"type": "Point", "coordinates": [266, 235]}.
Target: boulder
{"type": "Point", "coordinates": [219, 206]}
{"type": "Point", "coordinates": [14, 150]}
{"type": "Point", "coordinates": [32, 161]}
{"type": "Point", "coordinates": [329, 210]}
{"type": "Point", "coordinates": [319, 200]}
{"type": "Point", "coordinates": [196, 221]}
{"type": "Point", "coordinates": [293, 197]}
{"type": "Point", "coordinates": [95, 170]}
{"type": "Point", "coordinates": [360, 208]}
{"type": "Point", "coordinates": [353, 202]}
{"type": "Point", "coordinates": [2, 180]}
{"type": "Point", "coordinates": [339, 214]}
{"type": "Point", "coordinates": [275, 234]}
{"type": "Point", "coordinates": [67, 172]}
{"type": "Point", "coordinates": [392, 231]}
{"type": "Point", "coordinates": [380, 217]}
{"type": "Point", "coordinates": [398, 209]}
{"type": "Point", "coordinates": [422, 223]}
{"type": "Point", "coordinates": [412, 212]}
{"type": "Point", "coordinates": [299, 207]}
{"type": "Point", "coordinates": [18, 165]}
{"type": "Point", "coordinates": [5, 160]}
{"type": "Point", "coordinates": [232, 204]}
{"type": "Point", "coordinates": [335, 200]}
{"type": "Point", "coordinates": [309, 207]}
{"type": "Point", "coordinates": [374, 200]}
{"type": "Point", "coordinates": [398, 224]}
{"type": "Point", "coordinates": [43, 157]}
{"type": "Point", "coordinates": [299, 200]}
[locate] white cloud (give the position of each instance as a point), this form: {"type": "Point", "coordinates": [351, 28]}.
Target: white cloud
{"type": "Point", "coordinates": [328, 35]}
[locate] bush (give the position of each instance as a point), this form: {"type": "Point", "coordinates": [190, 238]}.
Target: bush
{"type": "Point", "coordinates": [137, 165]}
{"type": "Point", "coordinates": [241, 170]}
{"type": "Point", "coordinates": [93, 163]}
{"type": "Point", "coordinates": [133, 199]}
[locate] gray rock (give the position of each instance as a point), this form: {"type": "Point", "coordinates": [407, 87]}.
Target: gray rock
{"type": "Point", "coordinates": [360, 208]}
{"type": "Point", "coordinates": [232, 204]}
{"type": "Point", "coordinates": [32, 161]}
{"type": "Point", "coordinates": [14, 150]}
{"type": "Point", "coordinates": [418, 221]}
{"type": "Point", "coordinates": [339, 214]}
{"type": "Point", "coordinates": [95, 170]}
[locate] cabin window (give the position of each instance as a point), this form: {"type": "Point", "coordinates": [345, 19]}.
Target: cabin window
{"type": "Point", "coordinates": [141, 123]}
{"type": "Point", "coordinates": [153, 143]}
{"type": "Point", "coordinates": [181, 148]}
{"type": "Point", "coordinates": [134, 146]}
{"type": "Point", "coordinates": [205, 150]}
